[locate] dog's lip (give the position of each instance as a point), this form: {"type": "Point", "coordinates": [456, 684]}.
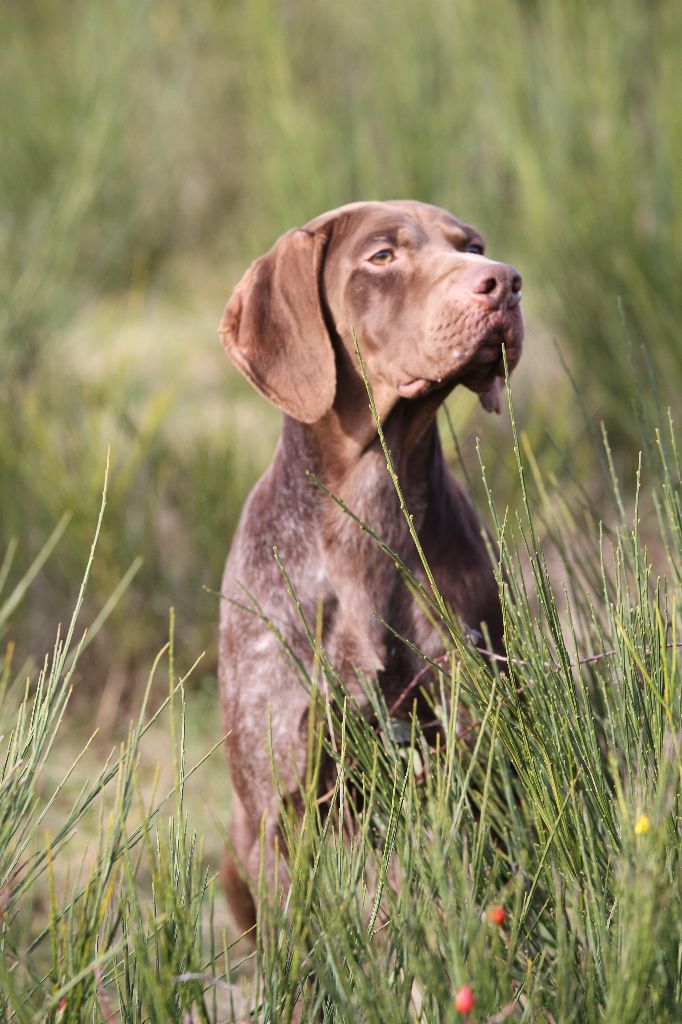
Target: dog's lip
{"type": "Point", "coordinates": [489, 366]}
{"type": "Point", "coordinates": [486, 358]}
{"type": "Point", "coordinates": [420, 386]}
{"type": "Point", "coordinates": [502, 337]}
{"type": "Point", "coordinates": [415, 388]}
{"type": "Point", "coordinates": [490, 357]}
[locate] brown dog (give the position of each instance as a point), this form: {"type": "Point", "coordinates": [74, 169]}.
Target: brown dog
{"type": "Point", "coordinates": [429, 311]}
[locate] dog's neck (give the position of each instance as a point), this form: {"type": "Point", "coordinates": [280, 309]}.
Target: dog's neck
{"type": "Point", "coordinates": [337, 448]}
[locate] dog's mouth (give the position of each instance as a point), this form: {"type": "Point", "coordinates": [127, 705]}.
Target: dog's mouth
{"type": "Point", "coordinates": [478, 371]}
{"type": "Point", "coordinates": [489, 359]}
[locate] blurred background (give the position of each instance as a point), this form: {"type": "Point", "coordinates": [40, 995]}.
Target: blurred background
{"type": "Point", "coordinates": [151, 150]}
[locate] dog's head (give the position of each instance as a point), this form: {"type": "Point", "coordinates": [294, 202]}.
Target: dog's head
{"type": "Point", "coordinates": [429, 309]}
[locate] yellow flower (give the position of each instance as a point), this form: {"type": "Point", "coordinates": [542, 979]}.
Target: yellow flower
{"type": "Point", "coordinates": [642, 825]}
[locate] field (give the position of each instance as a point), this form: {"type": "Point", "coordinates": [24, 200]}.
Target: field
{"type": "Point", "coordinates": [150, 151]}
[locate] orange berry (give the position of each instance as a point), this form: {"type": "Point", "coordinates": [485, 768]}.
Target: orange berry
{"type": "Point", "coordinates": [496, 915]}
{"type": "Point", "coordinates": [464, 999]}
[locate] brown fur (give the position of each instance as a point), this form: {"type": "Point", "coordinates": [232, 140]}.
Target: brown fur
{"type": "Point", "coordinates": [431, 316]}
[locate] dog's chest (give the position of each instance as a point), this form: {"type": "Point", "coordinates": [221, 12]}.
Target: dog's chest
{"type": "Point", "coordinates": [363, 585]}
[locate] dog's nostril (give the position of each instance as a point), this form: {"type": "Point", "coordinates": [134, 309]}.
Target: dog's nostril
{"type": "Point", "coordinates": [516, 284]}
{"type": "Point", "coordinates": [487, 286]}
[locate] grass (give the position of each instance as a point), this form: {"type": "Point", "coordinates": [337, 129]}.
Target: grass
{"type": "Point", "coordinates": [155, 152]}
{"type": "Point", "coordinates": [552, 792]}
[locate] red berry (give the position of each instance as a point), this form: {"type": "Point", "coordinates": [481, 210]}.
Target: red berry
{"type": "Point", "coordinates": [496, 915]}
{"type": "Point", "coordinates": [464, 1000]}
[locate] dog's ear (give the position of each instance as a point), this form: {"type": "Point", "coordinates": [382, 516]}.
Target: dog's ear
{"type": "Point", "coordinates": [491, 399]}
{"type": "Point", "coordinates": [273, 328]}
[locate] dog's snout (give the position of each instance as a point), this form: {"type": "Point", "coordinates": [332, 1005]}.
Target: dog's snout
{"type": "Point", "coordinates": [495, 285]}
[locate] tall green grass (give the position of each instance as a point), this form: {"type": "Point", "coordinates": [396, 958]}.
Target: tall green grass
{"type": "Point", "coordinates": [562, 802]}
{"type": "Point", "coordinates": [99, 939]}
{"type": "Point", "coordinates": [153, 132]}
{"type": "Point", "coordinates": [552, 791]}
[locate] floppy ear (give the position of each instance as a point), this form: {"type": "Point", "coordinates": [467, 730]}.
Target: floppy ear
{"type": "Point", "coordinates": [274, 331]}
{"type": "Point", "coordinates": [490, 399]}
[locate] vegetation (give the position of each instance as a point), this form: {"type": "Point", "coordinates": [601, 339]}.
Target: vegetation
{"type": "Point", "coordinates": [149, 151]}
{"type": "Point", "coordinates": [532, 855]}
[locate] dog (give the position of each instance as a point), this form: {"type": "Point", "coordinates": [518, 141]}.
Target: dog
{"type": "Point", "coordinates": [429, 311]}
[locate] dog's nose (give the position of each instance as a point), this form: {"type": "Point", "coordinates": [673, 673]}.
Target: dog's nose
{"type": "Point", "coordinates": [496, 285]}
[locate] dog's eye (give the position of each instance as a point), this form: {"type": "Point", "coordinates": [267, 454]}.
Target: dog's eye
{"type": "Point", "coordinates": [476, 248]}
{"type": "Point", "coordinates": [379, 259]}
